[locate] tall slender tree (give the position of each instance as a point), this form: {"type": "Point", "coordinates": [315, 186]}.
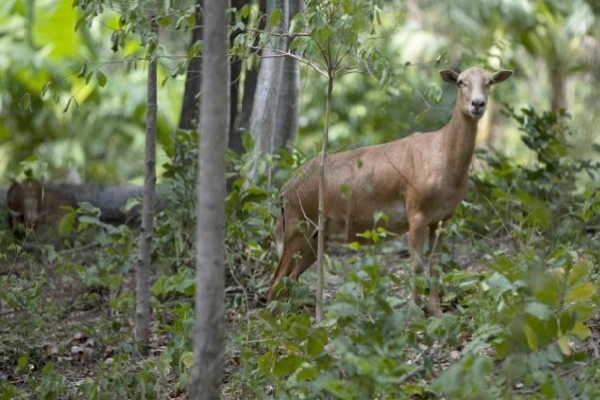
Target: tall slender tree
{"type": "Point", "coordinates": [262, 121]}
{"type": "Point", "coordinates": [251, 79]}
{"type": "Point", "coordinates": [210, 282]}
{"type": "Point", "coordinates": [142, 326]}
{"type": "Point", "coordinates": [288, 105]}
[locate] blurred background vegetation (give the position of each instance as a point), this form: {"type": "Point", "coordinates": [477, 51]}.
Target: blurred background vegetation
{"type": "Point", "coordinates": [520, 271]}
{"type": "Point", "coordinates": [553, 46]}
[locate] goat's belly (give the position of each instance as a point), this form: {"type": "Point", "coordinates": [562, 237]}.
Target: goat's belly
{"type": "Point", "coordinates": [345, 227]}
{"type": "Point", "coordinates": [392, 216]}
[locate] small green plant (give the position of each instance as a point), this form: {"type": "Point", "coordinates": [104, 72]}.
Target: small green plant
{"type": "Point", "coordinates": [530, 326]}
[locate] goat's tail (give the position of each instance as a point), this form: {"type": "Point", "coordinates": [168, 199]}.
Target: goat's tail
{"type": "Point", "coordinates": [280, 230]}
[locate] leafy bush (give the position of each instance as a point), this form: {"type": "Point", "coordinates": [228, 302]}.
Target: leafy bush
{"type": "Point", "coordinates": [519, 325]}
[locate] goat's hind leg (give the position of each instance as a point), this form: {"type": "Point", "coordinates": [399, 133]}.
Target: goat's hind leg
{"type": "Point", "coordinates": [435, 249]}
{"type": "Point", "coordinates": [416, 235]}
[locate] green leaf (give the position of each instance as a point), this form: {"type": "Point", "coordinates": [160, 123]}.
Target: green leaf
{"type": "Point", "coordinates": [275, 17]}
{"type": "Point", "coordinates": [354, 246]}
{"type": "Point", "coordinates": [316, 342]}
{"type": "Point", "coordinates": [581, 331]}
{"type": "Point", "coordinates": [254, 195]}
{"type": "Point", "coordinates": [531, 338]}
{"type": "Point", "coordinates": [245, 11]}
{"type": "Point", "coordinates": [264, 362]}
{"type": "Point", "coordinates": [247, 141]}
{"type": "Point", "coordinates": [164, 22]}
{"type": "Point", "coordinates": [66, 108]}
{"type": "Point", "coordinates": [287, 365]}
{"type": "Point", "coordinates": [187, 359]}
{"type": "Point", "coordinates": [82, 70]}
{"type": "Point", "coordinates": [47, 369]}
{"type": "Point", "coordinates": [101, 78]}
{"type": "Point", "coordinates": [66, 223]}
{"type": "Point", "coordinates": [567, 321]}
{"type": "Point", "coordinates": [307, 373]}
{"type": "Point", "coordinates": [581, 292]}
{"type": "Point", "coordinates": [584, 311]}
{"type": "Point", "coordinates": [579, 272]}
{"type": "Point", "coordinates": [88, 77]}
{"type": "Point", "coordinates": [564, 345]}
{"type": "Point", "coordinates": [365, 234]}
{"type": "Point", "coordinates": [22, 362]}
{"type": "Point", "coordinates": [380, 216]}
{"type": "Point", "coordinates": [538, 310]}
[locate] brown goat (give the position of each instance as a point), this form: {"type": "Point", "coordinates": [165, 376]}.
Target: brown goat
{"type": "Point", "coordinates": [417, 181]}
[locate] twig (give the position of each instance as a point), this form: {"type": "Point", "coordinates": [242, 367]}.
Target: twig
{"type": "Point", "coordinates": [285, 35]}
{"type": "Point", "coordinates": [304, 213]}
{"type": "Point", "coordinates": [245, 300]}
{"type": "Point", "coordinates": [411, 375]}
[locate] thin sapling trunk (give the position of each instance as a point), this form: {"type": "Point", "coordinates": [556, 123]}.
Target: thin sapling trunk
{"type": "Point", "coordinates": [142, 325]}
{"type": "Point", "coordinates": [321, 223]}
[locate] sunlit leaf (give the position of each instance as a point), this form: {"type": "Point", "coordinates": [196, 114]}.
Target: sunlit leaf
{"type": "Point", "coordinates": [354, 246]}
{"type": "Point", "coordinates": [66, 223]}
{"type": "Point", "coordinates": [187, 359]}
{"type": "Point", "coordinates": [581, 292]}
{"type": "Point", "coordinates": [531, 337]}
{"type": "Point", "coordinates": [565, 346]}
{"type": "Point", "coordinates": [275, 17]}
{"type": "Point", "coordinates": [579, 271]}
{"type": "Point", "coordinates": [581, 331]}
{"type": "Point", "coordinates": [245, 11]}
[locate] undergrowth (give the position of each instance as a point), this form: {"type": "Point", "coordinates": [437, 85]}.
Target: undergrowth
{"type": "Point", "coordinates": [520, 275]}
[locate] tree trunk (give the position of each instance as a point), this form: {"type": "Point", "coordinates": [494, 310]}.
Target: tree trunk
{"type": "Point", "coordinates": [189, 109]}
{"type": "Point", "coordinates": [558, 84]}
{"type": "Point", "coordinates": [235, 137]}
{"type": "Point", "coordinates": [321, 223]}
{"type": "Point", "coordinates": [288, 106]}
{"type": "Point", "coordinates": [250, 81]}
{"type": "Point", "coordinates": [142, 325]}
{"type": "Point", "coordinates": [262, 122]}
{"type": "Point", "coordinates": [210, 280]}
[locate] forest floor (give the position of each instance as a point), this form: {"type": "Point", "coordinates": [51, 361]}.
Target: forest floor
{"type": "Point", "coordinates": [77, 329]}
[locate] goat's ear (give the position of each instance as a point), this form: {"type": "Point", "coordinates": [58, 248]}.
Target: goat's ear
{"type": "Point", "coordinates": [449, 75]}
{"type": "Point", "coordinates": [501, 76]}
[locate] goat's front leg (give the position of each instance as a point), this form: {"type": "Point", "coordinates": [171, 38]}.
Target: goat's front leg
{"type": "Point", "coordinates": [416, 237]}
{"type": "Point", "coordinates": [435, 248]}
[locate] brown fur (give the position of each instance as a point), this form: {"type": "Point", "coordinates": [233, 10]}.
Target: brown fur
{"type": "Point", "coordinates": [418, 181]}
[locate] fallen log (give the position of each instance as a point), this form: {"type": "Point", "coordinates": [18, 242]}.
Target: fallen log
{"type": "Point", "coordinates": [35, 203]}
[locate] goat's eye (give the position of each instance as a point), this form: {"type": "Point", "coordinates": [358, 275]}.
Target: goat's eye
{"type": "Point", "coordinates": [460, 83]}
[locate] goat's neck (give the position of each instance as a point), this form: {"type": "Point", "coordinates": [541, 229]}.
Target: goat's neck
{"type": "Point", "coordinates": [459, 142]}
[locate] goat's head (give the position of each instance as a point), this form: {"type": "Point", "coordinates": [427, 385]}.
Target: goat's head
{"type": "Point", "coordinates": [474, 87]}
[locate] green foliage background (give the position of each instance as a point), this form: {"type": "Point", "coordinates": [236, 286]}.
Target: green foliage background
{"type": "Point", "coordinates": [520, 270]}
